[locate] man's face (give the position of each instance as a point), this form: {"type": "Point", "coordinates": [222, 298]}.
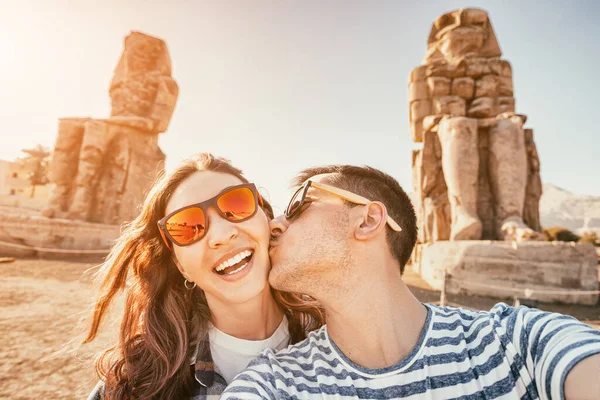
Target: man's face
{"type": "Point", "coordinates": [312, 249]}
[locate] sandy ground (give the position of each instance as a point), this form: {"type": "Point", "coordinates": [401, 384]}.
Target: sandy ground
{"type": "Point", "coordinates": [42, 306]}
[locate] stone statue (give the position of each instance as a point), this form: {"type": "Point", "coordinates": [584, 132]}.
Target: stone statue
{"type": "Point", "coordinates": [477, 173]}
{"type": "Point", "coordinates": [102, 168]}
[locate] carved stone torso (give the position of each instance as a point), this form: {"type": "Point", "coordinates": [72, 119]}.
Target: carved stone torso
{"type": "Point", "coordinates": [134, 97]}
{"type": "Point", "coordinates": [475, 88]}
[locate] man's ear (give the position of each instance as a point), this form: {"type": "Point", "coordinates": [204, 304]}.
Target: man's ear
{"type": "Point", "coordinates": [372, 221]}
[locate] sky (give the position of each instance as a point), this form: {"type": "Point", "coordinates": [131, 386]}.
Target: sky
{"type": "Point", "coordinates": [277, 86]}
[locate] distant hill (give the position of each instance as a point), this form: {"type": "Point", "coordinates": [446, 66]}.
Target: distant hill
{"type": "Point", "coordinates": [559, 207]}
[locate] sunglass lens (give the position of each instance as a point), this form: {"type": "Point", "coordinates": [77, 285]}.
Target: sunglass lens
{"type": "Point", "coordinates": [237, 204]}
{"type": "Point", "coordinates": [187, 225]}
{"type": "Point", "coordinates": [295, 203]}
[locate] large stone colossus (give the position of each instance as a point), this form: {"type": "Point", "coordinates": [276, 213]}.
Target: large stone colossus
{"type": "Point", "coordinates": [102, 168]}
{"type": "Point", "coordinates": [477, 175]}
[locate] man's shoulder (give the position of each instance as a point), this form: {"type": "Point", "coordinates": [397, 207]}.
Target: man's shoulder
{"type": "Point", "coordinates": [302, 352]}
{"type": "Point", "coordinates": [464, 314]}
{"type": "Point", "coordinates": [502, 318]}
{"type": "Point", "coordinates": [473, 322]}
{"type": "Point", "coordinates": [499, 310]}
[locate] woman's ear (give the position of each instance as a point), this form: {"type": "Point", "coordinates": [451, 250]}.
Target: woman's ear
{"type": "Point", "coordinates": [265, 204]}
{"type": "Point", "coordinates": [179, 267]}
{"type": "Point", "coordinates": [165, 240]}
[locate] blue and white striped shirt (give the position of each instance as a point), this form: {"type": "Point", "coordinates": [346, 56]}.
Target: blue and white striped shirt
{"type": "Point", "coordinates": [509, 353]}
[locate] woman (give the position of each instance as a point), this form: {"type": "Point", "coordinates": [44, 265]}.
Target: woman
{"type": "Point", "coordinates": [198, 304]}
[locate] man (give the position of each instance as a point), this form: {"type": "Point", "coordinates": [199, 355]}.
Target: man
{"type": "Point", "coordinates": [344, 240]}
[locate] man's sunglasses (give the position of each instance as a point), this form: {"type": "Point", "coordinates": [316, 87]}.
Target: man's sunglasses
{"type": "Point", "coordinates": [299, 202]}
{"type": "Point", "coordinates": [189, 224]}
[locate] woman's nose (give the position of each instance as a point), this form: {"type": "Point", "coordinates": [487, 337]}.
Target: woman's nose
{"type": "Point", "coordinates": [220, 231]}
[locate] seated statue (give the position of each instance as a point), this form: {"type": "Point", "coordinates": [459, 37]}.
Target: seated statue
{"type": "Point", "coordinates": [477, 173]}
{"type": "Point", "coordinates": [102, 168]}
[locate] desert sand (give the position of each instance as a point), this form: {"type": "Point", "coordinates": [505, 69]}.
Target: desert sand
{"type": "Point", "coordinates": [43, 304]}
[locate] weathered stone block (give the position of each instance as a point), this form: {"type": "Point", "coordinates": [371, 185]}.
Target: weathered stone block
{"type": "Point", "coordinates": [463, 87]}
{"type": "Point", "coordinates": [438, 86]}
{"type": "Point", "coordinates": [537, 270]}
{"type": "Point", "coordinates": [505, 86]}
{"type": "Point", "coordinates": [449, 105]}
{"type": "Point", "coordinates": [419, 109]}
{"type": "Point", "coordinates": [500, 67]}
{"type": "Point", "coordinates": [65, 237]}
{"type": "Point", "coordinates": [477, 67]}
{"type": "Point", "coordinates": [486, 86]}
{"type": "Point", "coordinates": [505, 104]}
{"type": "Point", "coordinates": [418, 90]}
{"type": "Point", "coordinates": [482, 107]}
{"type": "Point", "coordinates": [418, 74]}
{"type": "Point", "coordinates": [416, 131]}
{"type": "Point", "coordinates": [446, 70]}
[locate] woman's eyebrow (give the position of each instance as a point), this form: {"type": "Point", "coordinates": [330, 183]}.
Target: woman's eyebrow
{"type": "Point", "coordinates": [226, 188]}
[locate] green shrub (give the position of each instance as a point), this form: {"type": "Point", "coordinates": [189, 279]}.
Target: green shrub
{"type": "Point", "coordinates": [560, 234]}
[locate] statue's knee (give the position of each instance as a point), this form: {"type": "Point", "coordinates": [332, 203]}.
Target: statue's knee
{"type": "Point", "coordinates": [507, 125]}
{"type": "Point", "coordinates": [459, 127]}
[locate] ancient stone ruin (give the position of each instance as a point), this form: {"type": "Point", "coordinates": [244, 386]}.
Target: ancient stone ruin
{"type": "Point", "coordinates": [102, 168]}
{"type": "Point", "coordinates": [476, 175]}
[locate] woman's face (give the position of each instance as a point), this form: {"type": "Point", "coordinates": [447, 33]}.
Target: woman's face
{"type": "Point", "coordinates": [223, 241]}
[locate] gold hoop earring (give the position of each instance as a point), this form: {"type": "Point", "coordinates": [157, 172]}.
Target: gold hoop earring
{"type": "Point", "coordinates": [185, 283]}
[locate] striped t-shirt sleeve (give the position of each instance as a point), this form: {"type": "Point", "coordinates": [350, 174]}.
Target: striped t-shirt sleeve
{"type": "Point", "coordinates": [550, 344]}
{"type": "Point", "coordinates": [257, 382]}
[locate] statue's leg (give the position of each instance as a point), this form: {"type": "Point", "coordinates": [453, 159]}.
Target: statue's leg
{"type": "Point", "coordinates": [93, 149]}
{"type": "Point", "coordinates": [460, 163]}
{"type": "Point", "coordinates": [508, 178]}
{"type": "Point", "coordinates": [63, 166]}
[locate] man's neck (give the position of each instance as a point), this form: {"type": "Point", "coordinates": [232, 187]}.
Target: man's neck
{"type": "Point", "coordinates": [376, 321]}
{"type": "Point", "coordinates": [254, 319]}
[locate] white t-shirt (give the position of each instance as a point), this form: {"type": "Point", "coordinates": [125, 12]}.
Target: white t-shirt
{"type": "Point", "coordinates": [232, 355]}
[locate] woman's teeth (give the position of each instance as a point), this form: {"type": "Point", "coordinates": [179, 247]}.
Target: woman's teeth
{"type": "Point", "coordinates": [239, 261]}
{"type": "Point", "coordinates": [237, 270]}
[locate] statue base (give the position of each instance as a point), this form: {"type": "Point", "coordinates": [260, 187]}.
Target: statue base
{"type": "Point", "coordinates": [32, 235]}
{"type": "Point", "coordinates": [541, 271]}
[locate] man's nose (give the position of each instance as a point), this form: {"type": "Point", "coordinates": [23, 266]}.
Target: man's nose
{"type": "Point", "coordinates": [221, 231]}
{"type": "Point", "coordinates": [278, 226]}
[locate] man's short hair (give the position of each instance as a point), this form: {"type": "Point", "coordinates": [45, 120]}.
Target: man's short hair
{"type": "Point", "coordinates": [375, 185]}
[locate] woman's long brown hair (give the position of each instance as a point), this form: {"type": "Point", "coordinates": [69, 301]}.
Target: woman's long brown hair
{"type": "Point", "coordinates": [162, 320]}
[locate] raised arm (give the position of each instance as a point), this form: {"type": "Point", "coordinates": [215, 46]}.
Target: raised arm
{"type": "Point", "coordinates": [556, 348]}
{"type": "Point", "coordinates": [583, 382]}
